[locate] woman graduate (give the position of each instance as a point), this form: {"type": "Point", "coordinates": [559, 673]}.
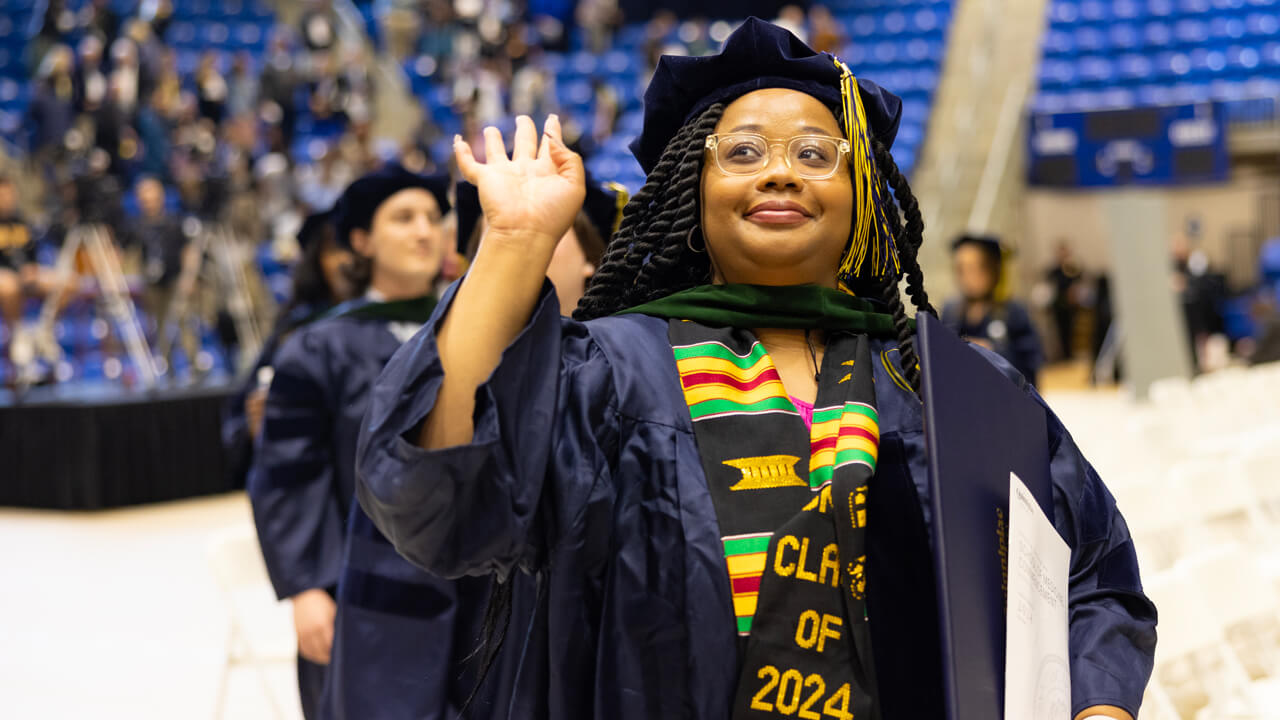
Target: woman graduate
{"type": "Point", "coordinates": [656, 460]}
{"type": "Point", "coordinates": [302, 482]}
{"type": "Point", "coordinates": [398, 651]}
{"type": "Point", "coordinates": [319, 282]}
{"type": "Point", "coordinates": [1002, 326]}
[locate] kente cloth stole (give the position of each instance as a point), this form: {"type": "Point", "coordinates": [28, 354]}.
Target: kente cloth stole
{"type": "Point", "coordinates": [791, 506]}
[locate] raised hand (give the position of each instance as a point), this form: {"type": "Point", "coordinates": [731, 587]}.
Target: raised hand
{"type": "Point", "coordinates": [536, 193]}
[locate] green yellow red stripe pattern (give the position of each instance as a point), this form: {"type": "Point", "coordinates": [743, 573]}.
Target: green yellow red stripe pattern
{"type": "Point", "coordinates": [746, 555]}
{"type": "Point", "coordinates": [842, 435]}
{"type": "Point", "coordinates": [718, 382]}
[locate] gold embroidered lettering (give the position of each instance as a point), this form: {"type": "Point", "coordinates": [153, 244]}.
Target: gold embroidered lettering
{"type": "Point", "coordinates": [830, 629]}
{"type": "Point", "coordinates": [807, 629]}
{"type": "Point", "coordinates": [781, 568]}
{"type": "Point", "coordinates": [830, 561]}
{"type": "Point", "coordinates": [801, 572]}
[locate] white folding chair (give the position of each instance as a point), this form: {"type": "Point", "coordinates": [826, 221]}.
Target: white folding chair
{"type": "Point", "coordinates": [1194, 663]}
{"type": "Point", "coordinates": [1157, 513]}
{"type": "Point", "coordinates": [1246, 606]}
{"type": "Point", "coordinates": [261, 636]}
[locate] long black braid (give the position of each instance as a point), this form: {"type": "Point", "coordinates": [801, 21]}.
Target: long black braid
{"type": "Point", "coordinates": [649, 256]}
{"type": "Point", "coordinates": [908, 236]}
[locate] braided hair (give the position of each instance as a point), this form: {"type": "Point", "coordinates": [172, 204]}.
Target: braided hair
{"type": "Point", "coordinates": [650, 256]}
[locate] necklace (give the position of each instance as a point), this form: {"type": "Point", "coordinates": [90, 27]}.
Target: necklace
{"type": "Point", "coordinates": [813, 356]}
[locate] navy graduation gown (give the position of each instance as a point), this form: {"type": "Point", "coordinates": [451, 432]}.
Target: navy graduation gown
{"type": "Point", "coordinates": [302, 481]}
{"type": "Point", "coordinates": [236, 440]}
{"type": "Point", "coordinates": [1008, 328]}
{"type": "Point", "coordinates": [395, 626]}
{"type": "Point", "coordinates": [583, 467]}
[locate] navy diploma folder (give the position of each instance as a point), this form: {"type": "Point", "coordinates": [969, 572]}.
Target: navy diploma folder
{"type": "Point", "coordinates": [979, 427]}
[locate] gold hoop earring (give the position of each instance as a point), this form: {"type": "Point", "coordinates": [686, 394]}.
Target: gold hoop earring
{"type": "Point", "coordinates": [688, 241]}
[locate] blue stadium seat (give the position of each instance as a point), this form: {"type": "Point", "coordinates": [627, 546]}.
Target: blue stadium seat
{"type": "Point", "coordinates": [554, 63]}
{"type": "Point", "coordinates": [1124, 36]}
{"type": "Point", "coordinates": [249, 35]}
{"type": "Point", "coordinates": [575, 95]}
{"type": "Point", "coordinates": [1096, 70]}
{"type": "Point", "coordinates": [885, 52]}
{"type": "Point", "coordinates": [1133, 67]}
{"type": "Point", "coordinates": [923, 50]}
{"type": "Point", "coordinates": [619, 64]}
{"type": "Point", "coordinates": [1242, 60]}
{"type": "Point", "coordinates": [181, 33]}
{"type": "Point", "coordinates": [1090, 39]}
{"type": "Point", "coordinates": [1126, 9]}
{"type": "Point", "coordinates": [1225, 29]}
{"type": "Point", "coordinates": [1160, 8]}
{"type": "Point", "coordinates": [1262, 25]}
{"type": "Point", "coordinates": [215, 34]}
{"type": "Point", "coordinates": [1058, 42]}
{"type": "Point", "coordinates": [1094, 11]}
{"type": "Point", "coordinates": [583, 63]}
{"type": "Point", "coordinates": [893, 23]}
{"type": "Point", "coordinates": [861, 26]}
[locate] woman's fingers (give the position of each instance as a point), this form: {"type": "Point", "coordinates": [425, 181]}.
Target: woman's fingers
{"type": "Point", "coordinates": [544, 150]}
{"type": "Point", "coordinates": [552, 128]}
{"type": "Point", "coordinates": [467, 163]}
{"type": "Point", "coordinates": [568, 163]}
{"type": "Point", "coordinates": [495, 151]}
{"type": "Point", "coordinates": [525, 145]}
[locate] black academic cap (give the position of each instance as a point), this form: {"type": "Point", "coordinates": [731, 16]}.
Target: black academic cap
{"type": "Point", "coordinates": [467, 211]}
{"type": "Point", "coordinates": [758, 55]}
{"type": "Point", "coordinates": [314, 227]}
{"type": "Point", "coordinates": [361, 199]}
{"type": "Point", "coordinates": [989, 244]}
{"type": "Point", "coordinates": [603, 206]}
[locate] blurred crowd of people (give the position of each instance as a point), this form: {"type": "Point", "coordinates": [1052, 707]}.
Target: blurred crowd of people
{"type": "Point", "coordinates": [136, 128]}
{"type": "Point", "coordinates": [111, 84]}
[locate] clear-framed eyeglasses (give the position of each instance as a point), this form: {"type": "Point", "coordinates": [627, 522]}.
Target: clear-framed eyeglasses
{"type": "Point", "coordinates": [812, 157]}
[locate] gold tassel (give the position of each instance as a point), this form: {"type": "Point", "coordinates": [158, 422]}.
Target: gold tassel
{"type": "Point", "coordinates": [873, 246]}
{"type": "Point", "coordinates": [620, 197]}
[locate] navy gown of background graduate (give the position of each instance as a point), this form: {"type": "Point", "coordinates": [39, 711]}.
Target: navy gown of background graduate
{"type": "Point", "coordinates": [400, 633]}
{"type": "Point", "coordinates": [1007, 326]}
{"type": "Point", "coordinates": [302, 491]}
{"type": "Point", "coordinates": [584, 470]}
{"type": "Point", "coordinates": [236, 439]}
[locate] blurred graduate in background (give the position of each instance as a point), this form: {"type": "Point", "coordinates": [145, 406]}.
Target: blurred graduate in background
{"type": "Point", "coordinates": [302, 481]}
{"type": "Point", "coordinates": [980, 316]}
{"type": "Point", "coordinates": [319, 282]}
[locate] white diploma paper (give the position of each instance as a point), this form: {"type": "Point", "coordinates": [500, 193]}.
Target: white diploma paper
{"type": "Point", "coordinates": [1037, 676]}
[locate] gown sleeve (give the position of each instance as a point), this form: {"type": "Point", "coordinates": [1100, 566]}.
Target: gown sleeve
{"type": "Point", "coordinates": [494, 503]}
{"type": "Point", "coordinates": [1024, 342]}
{"type": "Point", "coordinates": [1112, 631]}
{"type": "Point", "coordinates": [292, 485]}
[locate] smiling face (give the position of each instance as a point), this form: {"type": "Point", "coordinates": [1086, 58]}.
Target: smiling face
{"type": "Point", "coordinates": [774, 227]}
{"type": "Point", "coordinates": [406, 239]}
